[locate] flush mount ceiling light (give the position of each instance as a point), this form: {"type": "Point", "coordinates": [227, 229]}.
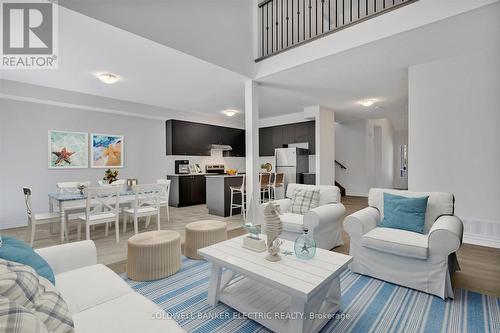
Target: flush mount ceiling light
{"type": "Point", "coordinates": [367, 102]}
{"type": "Point", "coordinates": [108, 78]}
{"type": "Point", "coordinates": [230, 112]}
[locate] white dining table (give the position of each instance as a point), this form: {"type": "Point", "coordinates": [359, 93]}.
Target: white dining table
{"type": "Point", "coordinates": [67, 202]}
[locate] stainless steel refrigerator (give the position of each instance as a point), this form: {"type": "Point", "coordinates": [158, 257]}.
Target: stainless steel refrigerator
{"type": "Point", "coordinates": [292, 162]}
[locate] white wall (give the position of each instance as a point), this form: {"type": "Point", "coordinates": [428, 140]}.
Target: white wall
{"type": "Point", "coordinates": [454, 136]}
{"type": "Point", "coordinates": [351, 151]}
{"type": "Point", "coordinates": [23, 151]}
{"type": "Point", "coordinates": [380, 153]}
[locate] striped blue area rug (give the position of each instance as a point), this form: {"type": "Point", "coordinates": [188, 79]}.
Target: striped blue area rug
{"type": "Point", "coordinates": [368, 305]}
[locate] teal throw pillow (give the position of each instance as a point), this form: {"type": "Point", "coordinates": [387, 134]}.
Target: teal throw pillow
{"type": "Point", "coordinates": [404, 213]}
{"type": "Point", "coordinates": [15, 250]}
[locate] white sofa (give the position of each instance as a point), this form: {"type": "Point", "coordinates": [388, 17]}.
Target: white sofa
{"type": "Point", "coordinates": [420, 261]}
{"type": "Point", "coordinates": [98, 299]}
{"type": "Point", "coordinates": [323, 222]}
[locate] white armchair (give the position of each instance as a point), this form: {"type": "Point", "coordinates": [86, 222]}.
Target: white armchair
{"type": "Point", "coordinates": [323, 222]}
{"type": "Point", "coordinates": [425, 261]}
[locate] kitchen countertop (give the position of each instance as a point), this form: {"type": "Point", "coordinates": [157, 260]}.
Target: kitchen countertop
{"type": "Point", "coordinates": [204, 174]}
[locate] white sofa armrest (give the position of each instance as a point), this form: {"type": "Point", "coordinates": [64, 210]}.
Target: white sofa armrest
{"type": "Point", "coordinates": [362, 221]}
{"type": "Point", "coordinates": [323, 215]}
{"type": "Point", "coordinates": [445, 235]}
{"type": "Point", "coordinates": [70, 256]}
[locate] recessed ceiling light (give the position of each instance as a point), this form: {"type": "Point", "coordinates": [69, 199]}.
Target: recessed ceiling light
{"type": "Point", "coordinates": [367, 102]}
{"type": "Point", "coordinates": [230, 112]}
{"type": "Point", "coordinates": [108, 78]}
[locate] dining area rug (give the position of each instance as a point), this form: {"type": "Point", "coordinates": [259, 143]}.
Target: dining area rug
{"type": "Point", "coordinates": [368, 305]}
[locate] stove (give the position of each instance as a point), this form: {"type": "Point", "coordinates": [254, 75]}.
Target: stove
{"type": "Point", "coordinates": [215, 168]}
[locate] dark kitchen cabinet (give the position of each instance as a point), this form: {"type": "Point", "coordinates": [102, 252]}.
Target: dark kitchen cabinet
{"type": "Point", "coordinates": [189, 138]}
{"type": "Point", "coordinates": [301, 133]}
{"type": "Point", "coordinates": [280, 136]}
{"type": "Point", "coordinates": [183, 138]}
{"type": "Point", "coordinates": [236, 139]}
{"type": "Point", "coordinates": [311, 133]}
{"type": "Point", "coordinates": [277, 138]}
{"type": "Point", "coordinates": [288, 134]}
{"type": "Point", "coordinates": [198, 190]}
{"type": "Point", "coordinates": [265, 141]}
{"type": "Point", "coordinates": [187, 190]}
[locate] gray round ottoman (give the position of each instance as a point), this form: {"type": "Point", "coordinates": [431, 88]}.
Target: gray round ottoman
{"type": "Point", "coordinates": [201, 234]}
{"type": "Point", "coordinates": [153, 255]}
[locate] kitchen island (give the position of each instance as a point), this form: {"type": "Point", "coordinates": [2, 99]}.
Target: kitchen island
{"type": "Point", "coordinates": [219, 194]}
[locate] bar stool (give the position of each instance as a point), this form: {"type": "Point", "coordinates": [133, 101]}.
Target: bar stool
{"type": "Point", "coordinates": [278, 182]}
{"type": "Point", "coordinates": [238, 190]}
{"type": "Point", "coordinates": [265, 187]}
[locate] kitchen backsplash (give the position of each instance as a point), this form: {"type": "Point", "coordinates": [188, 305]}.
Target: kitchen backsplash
{"type": "Point", "coordinates": [216, 158]}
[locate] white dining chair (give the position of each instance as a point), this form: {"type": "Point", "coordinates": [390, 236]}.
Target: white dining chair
{"type": "Point", "coordinates": [102, 207]}
{"type": "Point", "coordinates": [146, 204]}
{"type": "Point", "coordinates": [73, 188]}
{"type": "Point", "coordinates": [164, 196]}
{"type": "Point", "coordinates": [40, 218]}
{"type": "Point", "coordinates": [238, 190]}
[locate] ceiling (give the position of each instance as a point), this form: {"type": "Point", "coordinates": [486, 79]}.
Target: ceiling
{"type": "Point", "coordinates": [159, 75]}
{"type": "Point", "coordinates": [218, 31]}
{"type": "Point", "coordinates": [377, 70]}
{"type": "Point", "coordinates": [150, 72]}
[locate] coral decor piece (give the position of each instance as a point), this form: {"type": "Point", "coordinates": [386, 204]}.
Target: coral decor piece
{"type": "Point", "coordinates": [63, 156]}
{"type": "Point", "coordinates": [274, 227]}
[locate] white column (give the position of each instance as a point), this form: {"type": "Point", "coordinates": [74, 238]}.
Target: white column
{"type": "Point", "coordinates": [252, 145]}
{"type": "Point", "coordinates": [325, 143]}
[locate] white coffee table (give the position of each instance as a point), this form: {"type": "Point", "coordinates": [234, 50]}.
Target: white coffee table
{"type": "Point", "coordinates": [279, 295]}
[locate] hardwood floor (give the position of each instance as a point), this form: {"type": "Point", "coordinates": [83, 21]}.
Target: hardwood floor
{"type": "Point", "coordinates": [480, 266]}
{"type": "Point", "coordinates": [108, 251]}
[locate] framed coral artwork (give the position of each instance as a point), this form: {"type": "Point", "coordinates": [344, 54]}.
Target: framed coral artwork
{"type": "Point", "coordinates": [68, 150]}
{"type": "Point", "coordinates": [106, 151]}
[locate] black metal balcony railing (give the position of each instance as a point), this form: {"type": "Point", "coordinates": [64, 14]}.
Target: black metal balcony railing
{"type": "Point", "coordinates": [288, 23]}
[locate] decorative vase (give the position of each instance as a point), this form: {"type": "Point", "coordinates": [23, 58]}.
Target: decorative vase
{"type": "Point", "coordinates": [273, 230]}
{"type": "Point", "coordinates": [305, 246]}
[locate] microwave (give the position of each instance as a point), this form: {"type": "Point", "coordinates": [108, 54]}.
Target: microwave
{"type": "Point", "coordinates": [182, 167]}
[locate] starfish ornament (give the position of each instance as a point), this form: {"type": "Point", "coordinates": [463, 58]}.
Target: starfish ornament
{"type": "Point", "coordinates": [305, 248]}
{"type": "Point", "coordinates": [63, 156]}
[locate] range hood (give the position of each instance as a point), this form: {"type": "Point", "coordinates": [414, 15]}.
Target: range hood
{"type": "Point", "coordinates": [221, 147]}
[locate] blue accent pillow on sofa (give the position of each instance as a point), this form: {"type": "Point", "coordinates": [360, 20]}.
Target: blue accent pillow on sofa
{"type": "Point", "coordinates": [404, 213]}
{"type": "Point", "coordinates": [15, 250]}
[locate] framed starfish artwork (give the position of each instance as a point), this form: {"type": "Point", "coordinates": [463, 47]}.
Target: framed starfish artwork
{"type": "Point", "coordinates": [106, 151]}
{"type": "Point", "coordinates": [68, 150]}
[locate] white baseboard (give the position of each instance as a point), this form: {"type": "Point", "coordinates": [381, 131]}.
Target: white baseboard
{"type": "Point", "coordinates": [13, 224]}
{"type": "Point", "coordinates": [481, 232]}
{"type": "Point", "coordinates": [356, 194]}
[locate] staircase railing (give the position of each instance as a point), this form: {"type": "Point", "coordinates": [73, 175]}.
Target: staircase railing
{"type": "Point", "coordinates": [288, 23]}
{"type": "Point", "coordinates": [340, 165]}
